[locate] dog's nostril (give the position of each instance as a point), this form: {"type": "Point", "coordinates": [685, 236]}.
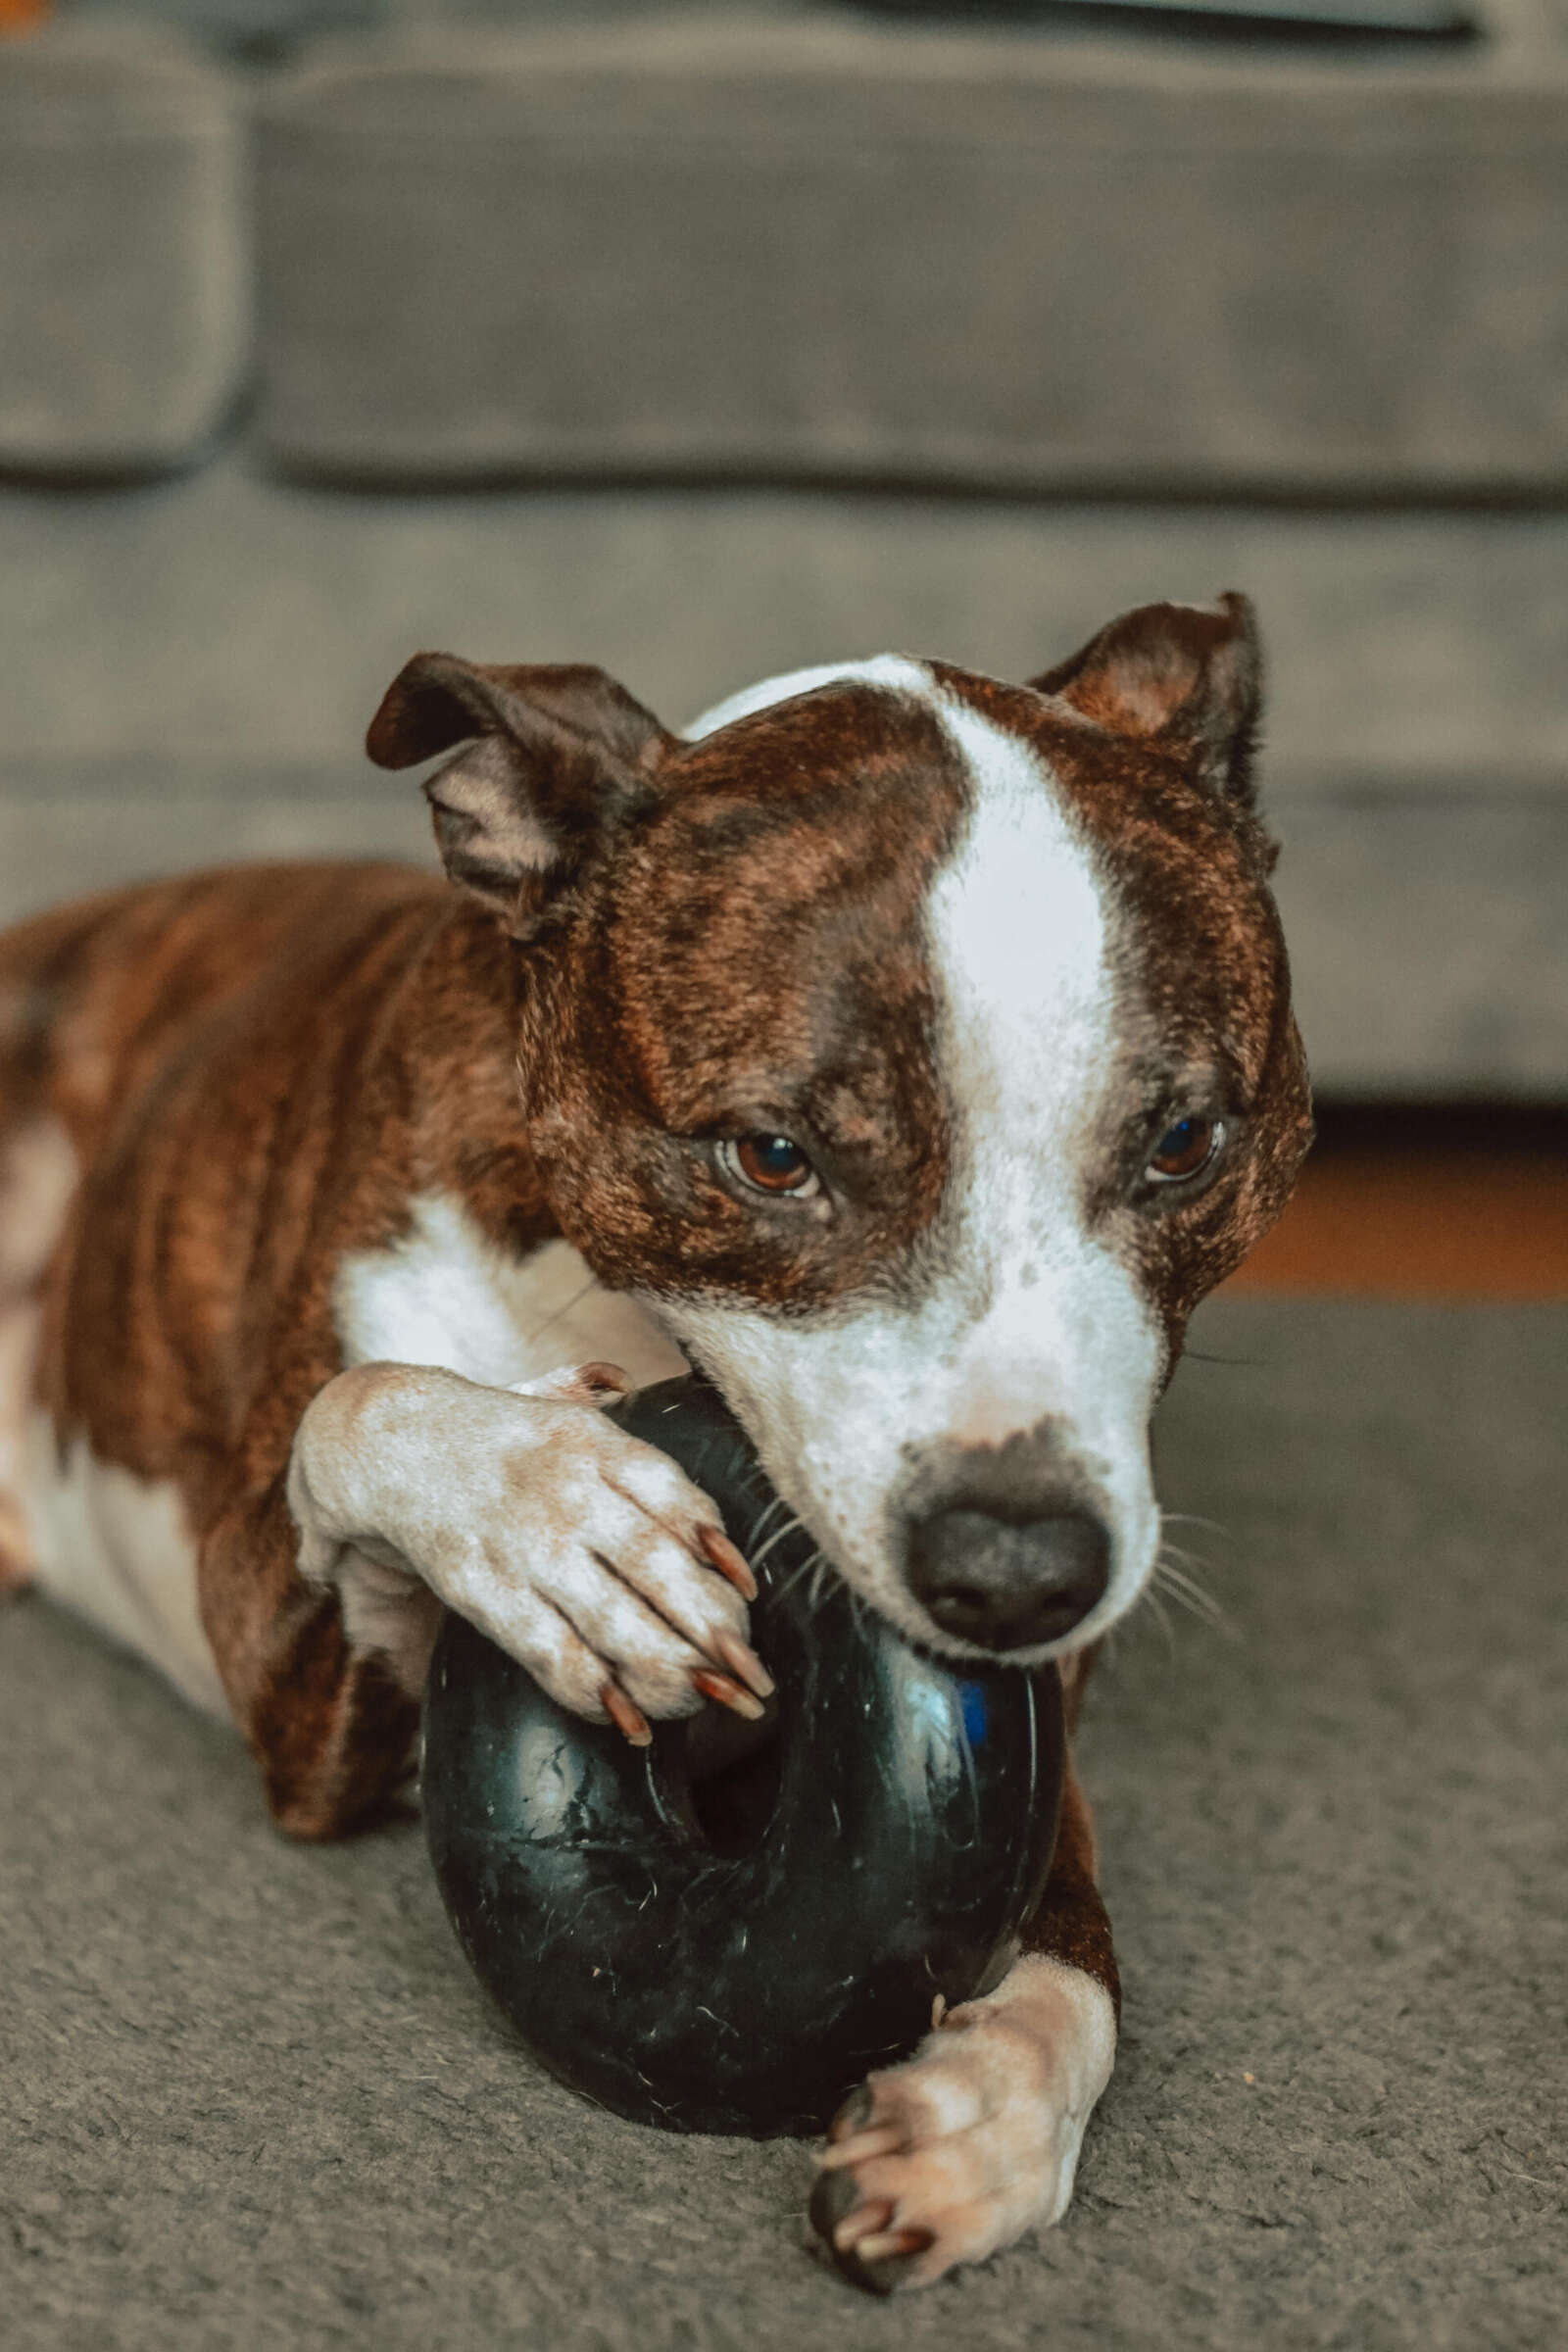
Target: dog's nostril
{"type": "Point", "coordinates": [1005, 1584]}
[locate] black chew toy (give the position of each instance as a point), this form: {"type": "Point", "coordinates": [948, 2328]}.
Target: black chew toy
{"type": "Point", "coordinates": [725, 1931]}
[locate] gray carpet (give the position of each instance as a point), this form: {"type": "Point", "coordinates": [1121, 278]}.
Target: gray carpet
{"type": "Point", "coordinates": [249, 2096]}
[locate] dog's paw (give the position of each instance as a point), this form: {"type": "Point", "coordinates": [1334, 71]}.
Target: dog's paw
{"type": "Point", "coordinates": [589, 1556]}
{"type": "Point", "coordinates": [615, 1583]}
{"type": "Point", "coordinates": [975, 2138]}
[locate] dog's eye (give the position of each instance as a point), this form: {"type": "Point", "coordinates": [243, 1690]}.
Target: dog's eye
{"type": "Point", "coordinates": [1185, 1150]}
{"type": "Point", "coordinates": [771, 1163]}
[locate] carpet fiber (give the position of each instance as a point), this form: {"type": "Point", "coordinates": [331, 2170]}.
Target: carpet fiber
{"type": "Point", "coordinates": [249, 2095]}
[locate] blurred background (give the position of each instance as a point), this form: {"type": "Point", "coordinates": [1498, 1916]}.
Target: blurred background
{"type": "Point", "coordinates": [708, 341]}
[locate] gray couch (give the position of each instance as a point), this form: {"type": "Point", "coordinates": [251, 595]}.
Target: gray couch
{"type": "Point", "coordinates": [714, 343]}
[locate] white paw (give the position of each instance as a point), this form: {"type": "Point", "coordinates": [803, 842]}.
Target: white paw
{"type": "Point", "coordinates": [587, 1555]}
{"type": "Point", "coordinates": [975, 2138]}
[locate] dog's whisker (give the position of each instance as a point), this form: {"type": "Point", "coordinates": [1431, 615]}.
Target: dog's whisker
{"type": "Point", "coordinates": [812, 1560]}
{"type": "Point", "coordinates": [1216, 1526]}
{"type": "Point", "coordinates": [788, 1529]}
{"type": "Point", "coordinates": [1162, 1616]}
{"type": "Point", "coordinates": [564, 1309]}
{"type": "Point", "coordinates": [1189, 1595]}
{"type": "Point", "coordinates": [1192, 1559]}
{"type": "Point", "coordinates": [779, 1503]}
{"type": "Point", "coordinates": [1191, 1607]}
{"type": "Point", "coordinates": [794, 1579]}
{"type": "Point", "coordinates": [1178, 1568]}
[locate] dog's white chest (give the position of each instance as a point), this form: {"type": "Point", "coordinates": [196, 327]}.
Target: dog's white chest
{"type": "Point", "coordinates": [443, 1296]}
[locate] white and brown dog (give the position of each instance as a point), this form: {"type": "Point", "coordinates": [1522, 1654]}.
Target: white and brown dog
{"type": "Point", "coordinates": [910, 1050]}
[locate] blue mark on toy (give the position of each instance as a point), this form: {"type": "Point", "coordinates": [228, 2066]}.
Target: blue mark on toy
{"type": "Point", "coordinates": [972, 1701]}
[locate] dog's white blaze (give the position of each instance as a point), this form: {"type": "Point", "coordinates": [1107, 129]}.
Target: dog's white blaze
{"type": "Point", "coordinates": [119, 1549]}
{"type": "Point", "coordinates": [1022, 947]}
{"type": "Point", "coordinates": [1025, 1314]}
{"type": "Point", "coordinates": [442, 1294]}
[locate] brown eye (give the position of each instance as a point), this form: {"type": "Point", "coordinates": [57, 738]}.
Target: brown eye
{"type": "Point", "coordinates": [1185, 1150]}
{"type": "Point", "coordinates": [771, 1163]}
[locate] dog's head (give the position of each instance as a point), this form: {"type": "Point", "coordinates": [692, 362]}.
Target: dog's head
{"type": "Point", "coordinates": [919, 1048]}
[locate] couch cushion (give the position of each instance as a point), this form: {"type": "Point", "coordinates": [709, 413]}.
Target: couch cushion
{"type": "Point", "coordinates": [227, 616]}
{"type": "Point", "coordinates": [190, 671]}
{"type": "Point", "coordinates": [850, 250]}
{"type": "Point", "coordinates": [124, 305]}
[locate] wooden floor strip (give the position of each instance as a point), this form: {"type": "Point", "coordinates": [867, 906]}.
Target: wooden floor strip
{"type": "Point", "coordinates": [1426, 1204]}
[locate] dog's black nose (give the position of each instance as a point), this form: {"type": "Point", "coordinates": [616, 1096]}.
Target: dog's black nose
{"type": "Point", "coordinates": [1009, 1582]}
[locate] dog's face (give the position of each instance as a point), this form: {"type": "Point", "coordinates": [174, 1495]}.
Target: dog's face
{"type": "Point", "coordinates": [919, 1048]}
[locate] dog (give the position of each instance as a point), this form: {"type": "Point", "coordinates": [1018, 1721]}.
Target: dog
{"type": "Point", "coordinates": [906, 1049]}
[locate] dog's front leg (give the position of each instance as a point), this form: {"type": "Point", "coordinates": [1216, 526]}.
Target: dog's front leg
{"type": "Point", "coordinates": [975, 2138]}
{"type": "Point", "coordinates": [586, 1555]}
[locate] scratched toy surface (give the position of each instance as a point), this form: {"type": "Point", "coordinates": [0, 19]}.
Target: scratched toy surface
{"type": "Point", "coordinates": [726, 1931]}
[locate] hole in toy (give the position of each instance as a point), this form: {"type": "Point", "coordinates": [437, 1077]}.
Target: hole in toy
{"type": "Point", "coordinates": [733, 1769]}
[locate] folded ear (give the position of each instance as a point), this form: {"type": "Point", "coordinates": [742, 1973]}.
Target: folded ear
{"type": "Point", "coordinates": [552, 754]}
{"type": "Point", "coordinates": [1185, 678]}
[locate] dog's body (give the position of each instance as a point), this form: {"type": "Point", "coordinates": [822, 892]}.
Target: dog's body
{"type": "Point", "coordinates": [910, 1050]}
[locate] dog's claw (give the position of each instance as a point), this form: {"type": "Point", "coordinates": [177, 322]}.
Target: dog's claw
{"type": "Point", "coordinates": [744, 1663]}
{"type": "Point", "coordinates": [889, 2246]}
{"type": "Point", "coordinates": [626, 1716]}
{"type": "Point", "coordinates": [866, 2221]}
{"type": "Point", "coordinates": [882, 2140]}
{"type": "Point", "coordinates": [855, 2114]}
{"type": "Point", "coordinates": [721, 1554]}
{"type": "Point", "coordinates": [729, 1693]}
{"type": "Point", "coordinates": [889, 2243]}
{"type": "Point", "coordinates": [866, 2248]}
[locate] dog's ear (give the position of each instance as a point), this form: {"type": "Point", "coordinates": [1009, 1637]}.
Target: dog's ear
{"type": "Point", "coordinates": [552, 754]}
{"type": "Point", "coordinates": [1187, 679]}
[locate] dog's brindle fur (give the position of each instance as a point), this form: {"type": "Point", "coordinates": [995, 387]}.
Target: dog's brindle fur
{"type": "Point", "coordinates": [289, 1154]}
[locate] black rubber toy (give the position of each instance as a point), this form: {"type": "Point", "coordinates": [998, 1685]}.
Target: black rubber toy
{"type": "Point", "coordinates": [725, 1931]}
